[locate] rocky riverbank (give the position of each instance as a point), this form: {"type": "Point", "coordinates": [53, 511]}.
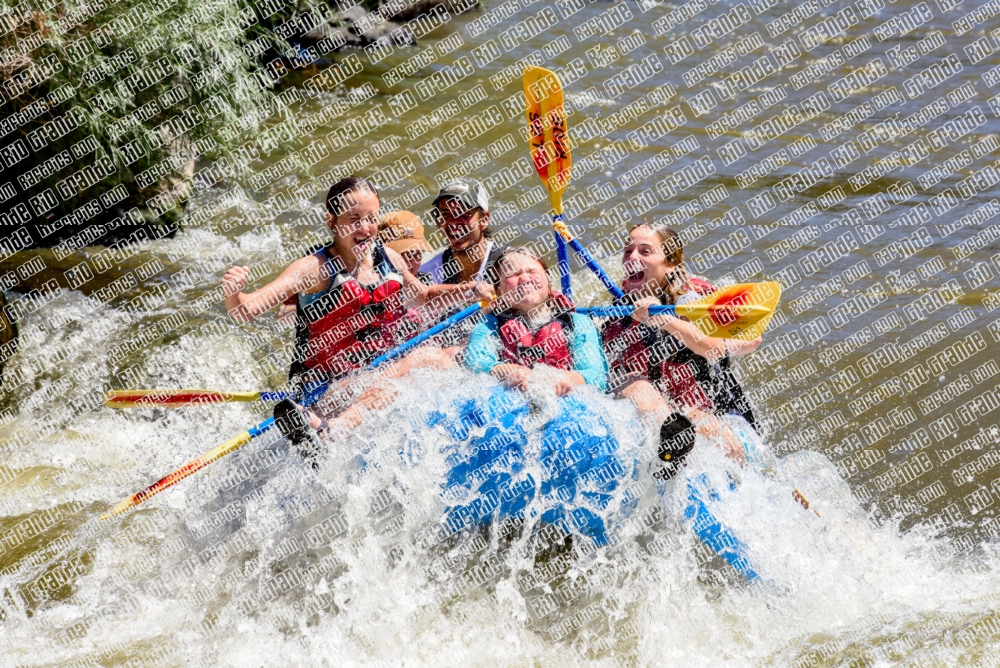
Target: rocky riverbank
{"type": "Point", "coordinates": [112, 106]}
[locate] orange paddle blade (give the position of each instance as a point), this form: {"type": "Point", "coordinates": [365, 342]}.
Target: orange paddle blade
{"type": "Point", "coordinates": [548, 133]}
{"type": "Point", "coordinates": [188, 469]}
{"type": "Point", "coordinates": [740, 311]}
{"type": "Point", "coordinates": [172, 398]}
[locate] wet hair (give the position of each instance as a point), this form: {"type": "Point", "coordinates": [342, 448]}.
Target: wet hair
{"type": "Point", "coordinates": [340, 190]}
{"type": "Point", "coordinates": [508, 252]}
{"type": "Point", "coordinates": [673, 248]}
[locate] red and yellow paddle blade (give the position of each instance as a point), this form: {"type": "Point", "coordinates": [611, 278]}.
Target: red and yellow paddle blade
{"type": "Point", "coordinates": [173, 398]}
{"type": "Point", "coordinates": [740, 311]}
{"type": "Point", "coordinates": [188, 469]}
{"type": "Point", "coordinates": [548, 134]}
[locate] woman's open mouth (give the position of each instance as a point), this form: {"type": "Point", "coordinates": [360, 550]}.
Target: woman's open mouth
{"type": "Point", "coordinates": [634, 275]}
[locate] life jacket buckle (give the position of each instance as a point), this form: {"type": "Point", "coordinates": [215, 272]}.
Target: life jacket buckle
{"type": "Point", "coordinates": [532, 354]}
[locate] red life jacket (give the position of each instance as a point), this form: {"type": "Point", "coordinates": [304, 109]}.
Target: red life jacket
{"type": "Point", "coordinates": [344, 327]}
{"type": "Point", "coordinates": [634, 348]}
{"type": "Point", "coordinates": [549, 345]}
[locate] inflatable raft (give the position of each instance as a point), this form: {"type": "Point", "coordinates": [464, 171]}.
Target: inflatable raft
{"type": "Point", "coordinates": [568, 470]}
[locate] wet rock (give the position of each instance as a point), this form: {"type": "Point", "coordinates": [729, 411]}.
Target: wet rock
{"type": "Point", "coordinates": [354, 14]}
{"type": "Point", "coordinates": [389, 30]}
{"type": "Point", "coordinates": [347, 38]}
{"type": "Point", "coordinates": [358, 28]}
{"type": "Point", "coordinates": [407, 10]}
{"type": "Point", "coordinates": [8, 334]}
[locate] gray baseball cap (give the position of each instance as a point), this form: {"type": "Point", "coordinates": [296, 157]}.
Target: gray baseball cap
{"type": "Point", "coordinates": [469, 192]}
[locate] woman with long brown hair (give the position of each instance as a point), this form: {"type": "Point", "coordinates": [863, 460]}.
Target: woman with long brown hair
{"type": "Point", "coordinates": [664, 364]}
{"type": "Point", "coordinates": [348, 299]}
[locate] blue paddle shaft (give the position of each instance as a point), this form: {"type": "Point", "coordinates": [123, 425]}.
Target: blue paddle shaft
{"type": "Point", "coordinates": [594, 311]}
{"type": "Point", "coordinates": [261, 428]}
{"type": "Point", "coordinates": [313, 392]}
{"type": "Point", "coordinates": [588, 260]}
{"type": "Point", "coordinates": [423, 336]}
{"type": "Point", "coordinates": [623, 311]}
{"type": "Point", "coordinates": [565, 280]}
{"type": "Point", "coordinates": [596, 268]}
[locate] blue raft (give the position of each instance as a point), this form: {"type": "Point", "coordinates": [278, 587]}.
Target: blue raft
{"type": "Point", "coordinates": [570, 471]}
{"type": "Point", "coordinates": [569, 476]}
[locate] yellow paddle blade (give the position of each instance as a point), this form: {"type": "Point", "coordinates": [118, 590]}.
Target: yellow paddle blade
{"type": "Point", "coordinates": [172, 479]}
{"type": "Point", "coordinates": [548, 134]}
{"type": "Point", "coordinates": [172, 398]}
{"type": "Point", "coordinates": [740, 311]}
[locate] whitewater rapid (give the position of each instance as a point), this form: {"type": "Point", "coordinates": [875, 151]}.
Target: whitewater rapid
{"type": "Point", "coordinates": [262, 560]}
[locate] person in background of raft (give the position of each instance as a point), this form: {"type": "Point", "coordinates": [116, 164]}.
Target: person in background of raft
{"type": "Point", "coordinates": [466, 269]}
{"type": "Point", "coordinates": [403, 232]}
{"type": "Point", "coordinates": [664, 364]}
{"type": "Point", "coordinates": [348, 297]}
{"type": "Point", "coordinates": [530, 326]}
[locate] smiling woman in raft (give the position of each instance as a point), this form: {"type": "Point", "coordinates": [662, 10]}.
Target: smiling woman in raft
{"type": "Point", "coordinates": [673, 373]}
{"type": "Point", "coordinates": [531, 326]}
{"type": "Point", "coordinates": [349, 299]}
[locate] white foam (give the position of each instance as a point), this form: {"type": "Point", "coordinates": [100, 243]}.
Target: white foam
{"type": "Point", "coordinates": [376, 592]}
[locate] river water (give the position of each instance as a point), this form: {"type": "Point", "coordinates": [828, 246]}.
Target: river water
{"type": "Point", "coordinates": [876, 380]}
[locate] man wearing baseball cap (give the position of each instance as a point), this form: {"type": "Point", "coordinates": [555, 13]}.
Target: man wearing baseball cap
{"type": "Point", "coordinates": [462, 212]}
{"type": "Point", "coordinates": [464, 270]}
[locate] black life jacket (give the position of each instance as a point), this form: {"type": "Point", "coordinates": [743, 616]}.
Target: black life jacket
{"type": "Point", "coordinates": [492, 258]}
{"type": "Point", "coordinates": [682, 375]}
{"type": "Point", "coordinates": [459, 334]}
